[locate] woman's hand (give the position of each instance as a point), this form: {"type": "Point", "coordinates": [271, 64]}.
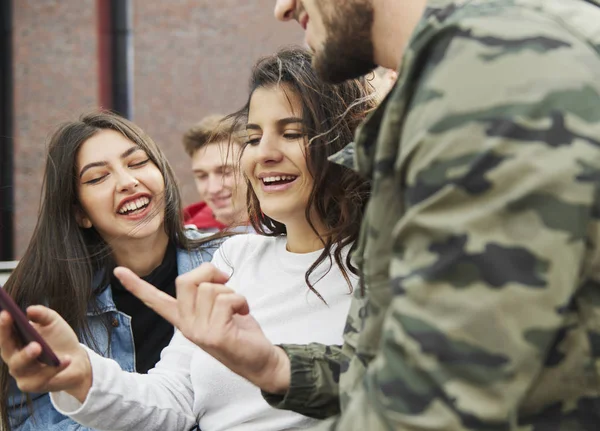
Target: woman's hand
{"type": "Point", "coordinates": [218, 320]}
{"type": "Point", "coordinates": [73, 375]}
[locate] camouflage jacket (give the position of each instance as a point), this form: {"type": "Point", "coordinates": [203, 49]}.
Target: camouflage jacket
{"type": "Point", "coordinates": [480, 250]}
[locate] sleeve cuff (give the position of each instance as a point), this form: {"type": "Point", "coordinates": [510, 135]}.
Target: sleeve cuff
{"type": "Point", "coordinates": [302, 380]}
{"type": "Point", "coordinates": [69, 405]}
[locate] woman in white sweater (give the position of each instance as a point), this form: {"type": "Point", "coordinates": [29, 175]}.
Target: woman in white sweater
{"type": "Point", "coordinates": [296, 275]}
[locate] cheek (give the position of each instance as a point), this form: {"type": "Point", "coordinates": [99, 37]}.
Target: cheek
{"type": "Point", "coordinates": [88, 210]}
{"type": "Point", "coordinates": [89, 196]}
{"type": "Point", "coordinates": [152, 174]}
{"type": "Point", "coordinates": [200, 185]}
{"type": "Point", "coordinates": [96, 204]}
{"type": "Point", "coordinates": [299, 157]}
{"type": "Point", "coordinates": [229, 181]}
{"type": "Point", "coordinates": [308, 180]}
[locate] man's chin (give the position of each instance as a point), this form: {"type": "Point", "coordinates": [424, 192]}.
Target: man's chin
{"type": "Point", "coordinates": [347, 51]}
{"type": "Point", "coordinates": [223, 214]}
{"type": "Point", "coordinates": [330, 69]}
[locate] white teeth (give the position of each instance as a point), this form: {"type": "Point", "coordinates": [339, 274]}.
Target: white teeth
{"type": "Point", "coordinates": [278, 178]}
{"type": "Point", "coordinates": [134, 205]}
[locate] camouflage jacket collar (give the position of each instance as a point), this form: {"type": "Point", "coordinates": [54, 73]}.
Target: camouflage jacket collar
{"type": "Point", "coordinates": [439, 10]}
{"type": "Point", "coordinates": [345, 157]}
{"type": "Point", "coordinates": [358, 155]}
{"type": "Point", "coordinates": [366, 134]}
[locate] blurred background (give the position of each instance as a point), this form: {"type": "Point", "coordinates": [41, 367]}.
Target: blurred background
{"type": "Point", "coordinates": [162, 63]}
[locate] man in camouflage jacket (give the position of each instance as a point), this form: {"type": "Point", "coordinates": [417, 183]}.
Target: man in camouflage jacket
{"type": "Point", "coordinates": [480, 250]}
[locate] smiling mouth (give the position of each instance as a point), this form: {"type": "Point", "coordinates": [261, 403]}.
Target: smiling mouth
{"type": "Point", "coordinates": [134, 207]}
{"type": "Point", "coordinates": [278, 180]}
{"type": "Point", "coordinates": [221, 202]}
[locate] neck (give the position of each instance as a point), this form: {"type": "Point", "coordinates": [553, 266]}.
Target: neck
{"type": "Point", "coordinates": [141, 256]}
{"type": "Point", "coordinates": [393, 25]}
{"type": "Point", "coordinates": [301, 238]}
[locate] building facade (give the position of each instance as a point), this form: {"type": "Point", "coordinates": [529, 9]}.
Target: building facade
{"type": "Point", "coordinates": [187, 59]}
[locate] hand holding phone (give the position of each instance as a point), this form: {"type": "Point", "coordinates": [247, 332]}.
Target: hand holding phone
{"type": "Point", "coordinates": [27, 361]}
{"type": "Point", "coordinates": [25, 331]}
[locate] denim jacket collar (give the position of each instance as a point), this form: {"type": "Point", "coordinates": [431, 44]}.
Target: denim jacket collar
{"type": "Point", "coordinates": [186, 261]}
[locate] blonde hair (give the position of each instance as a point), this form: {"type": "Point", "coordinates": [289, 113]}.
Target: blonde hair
{"type": "Point", "coordinates": [211, 129]}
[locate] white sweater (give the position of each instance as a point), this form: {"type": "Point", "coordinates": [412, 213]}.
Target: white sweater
{"type": "Point", "coordinates": [189, 386]}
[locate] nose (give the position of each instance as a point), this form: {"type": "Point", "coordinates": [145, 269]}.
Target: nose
{"type": "Point", "coordinates": [215, 184]}
{"type": "Point", "coordinates": [269, 151]}
{"type": "Point", "coordinates": [284, 9]}
{"type": "Point", "coordinates": [126, 181]}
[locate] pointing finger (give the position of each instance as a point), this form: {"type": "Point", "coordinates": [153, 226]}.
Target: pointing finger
{"type": "Point", "coordinates": [159, 301]}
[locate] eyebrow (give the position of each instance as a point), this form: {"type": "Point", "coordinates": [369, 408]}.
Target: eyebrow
{"type": "Point", "coordinates": [127, 153]}
{"type": "Point", "coordinates": [280, 123]}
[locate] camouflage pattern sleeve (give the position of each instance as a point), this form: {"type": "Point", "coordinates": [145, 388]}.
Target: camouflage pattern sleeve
{"type": "Point", "coordinates": [314, 387]}
{"type": "Point", "coordinates": [498, 167]}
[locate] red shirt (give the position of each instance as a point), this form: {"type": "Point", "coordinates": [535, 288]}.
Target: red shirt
{"type": "Point", "coordinates": [201, 216]}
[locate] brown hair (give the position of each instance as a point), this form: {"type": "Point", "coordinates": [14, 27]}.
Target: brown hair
{"type": "Point", "coordinates": [214, 128]}
{"type": "Point", "coordinates": [63, 259]}
{"type": "Point", "coordinates": [331, 114]}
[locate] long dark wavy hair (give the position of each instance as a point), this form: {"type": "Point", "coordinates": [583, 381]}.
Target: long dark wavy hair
{"type": "Point", "coordinates": [330, 115]}
{"type": "Point", "coordinates": [63, 258]}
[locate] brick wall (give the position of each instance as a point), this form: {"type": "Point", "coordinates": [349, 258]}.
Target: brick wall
{"type": "Point", "coordinates": [192, 58]}
{"type": "Point", "coordinates": [55, 78]}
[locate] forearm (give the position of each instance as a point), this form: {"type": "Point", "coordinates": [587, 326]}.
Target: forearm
{"type": "Point", "coordinates": [119, 400]}
{"type": "Point", "coordinates": [42, 414]}
{"type": "Point", "coordinates": [314, 380]}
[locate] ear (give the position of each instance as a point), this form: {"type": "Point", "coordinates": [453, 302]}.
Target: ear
{"type": "Point", "coordinates": [81, 218]}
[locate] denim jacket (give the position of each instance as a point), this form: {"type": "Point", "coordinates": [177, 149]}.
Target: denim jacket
{"type": "Point", "coordinates": [45, 417]}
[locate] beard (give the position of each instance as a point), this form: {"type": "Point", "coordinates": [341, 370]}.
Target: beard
{"type": "Point", "coordinates": [347, 52]}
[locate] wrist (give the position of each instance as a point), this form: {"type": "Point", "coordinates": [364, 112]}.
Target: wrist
{"type": "Point", "coordinates": [279, 373]}
{"type": "Point", "coordinates": [84, 379]}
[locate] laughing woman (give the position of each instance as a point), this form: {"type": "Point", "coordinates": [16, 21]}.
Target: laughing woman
{"type": "Point", "coordinates": [296, 276]}
{"type": "Point", "coordinates": [110, 198]}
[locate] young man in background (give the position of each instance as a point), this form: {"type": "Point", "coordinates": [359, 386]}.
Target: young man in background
{"type": "Point", "coordinates": [215, 153]}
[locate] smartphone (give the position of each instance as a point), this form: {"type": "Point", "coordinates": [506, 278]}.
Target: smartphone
{"type": "Point", "coordinates": [25, 331]}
